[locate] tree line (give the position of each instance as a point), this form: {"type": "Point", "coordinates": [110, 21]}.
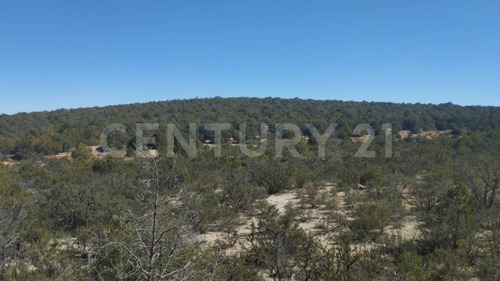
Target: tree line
{"type": "Point", "coordinates": [56, 131]}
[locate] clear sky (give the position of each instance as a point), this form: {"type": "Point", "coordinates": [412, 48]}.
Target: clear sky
{"type": "Point", "coordinates": [80, 53]}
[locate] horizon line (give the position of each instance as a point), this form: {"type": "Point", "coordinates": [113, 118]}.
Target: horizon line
{"type": "Point", "coordinates": [241, 97]}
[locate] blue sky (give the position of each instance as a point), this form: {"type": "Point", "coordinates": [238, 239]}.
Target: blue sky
{"type": "Point", "coordinates": [69, 53]}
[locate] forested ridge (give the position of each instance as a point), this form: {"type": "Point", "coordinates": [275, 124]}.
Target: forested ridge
{"type": "Point", "coordinates": [429, 211]}
{"type": "Point", "coordinates": [56, 131]}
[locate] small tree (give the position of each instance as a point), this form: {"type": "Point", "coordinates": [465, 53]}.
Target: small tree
{"type": "Point", "coordinates": [81, 152]}
{"type": "Point", "coordinates": [152, 246]}
{"type": "Point", "coordinates": [273, 175]}
{"type": "Point", "coordinates": [481, 174]}
{"type": "Point", "coordinates": [276, 242]}
{"type": "Point", "coordinates": [12, 213]}
{"type": "Point", "coordinates": [452, 220]}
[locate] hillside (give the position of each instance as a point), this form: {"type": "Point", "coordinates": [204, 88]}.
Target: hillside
{"type": "Point", "coordinates": [428, 210]}
{"type": "Point", "coordinates": [57, 131]}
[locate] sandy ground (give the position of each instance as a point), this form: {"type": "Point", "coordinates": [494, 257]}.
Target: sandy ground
{"type": "Point", "coordinates": [282, 199]}
{"type": "Point", "coordinates": [94, 149]}
{"type": "Point", "coordinates": [60, 155]}
{"type": "Point", "coordinates": [310, 219]}
{"type": "Point", "coordinates": [407, 231]}
{"type": "Point", "coordinates": [427, 134]}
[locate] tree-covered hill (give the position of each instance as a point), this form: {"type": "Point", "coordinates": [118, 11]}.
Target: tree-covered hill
{"type": "Point", "coordinates": [56, 131]}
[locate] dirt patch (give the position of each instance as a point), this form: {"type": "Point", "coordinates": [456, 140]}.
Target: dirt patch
{"type": "Point", "coordinates": [312, 220]}
{"type": "Point", "coordinates": [360, 139]}
{"type": "Point", "coordinates": [241, 242]}
{"type": "Point", "coordinates": [408, 230]}
{"type": "Point", "coordinates": [426, 134]}
{"type": "Point", "coordinates": [97, 152]}
{"type": "Point", "coordinates": [283, 199]}
{"type": "Point", "coordinates": [404, 134]}
{"type": "Point", "coordinates": [432, 134]}
{"type": "Point", "coordinates": [61, 155]}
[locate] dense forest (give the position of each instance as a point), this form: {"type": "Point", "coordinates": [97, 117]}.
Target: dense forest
{"type": "Point", "coordinates": [429, 212]}
{"type": "Point", "coordinates": [56, 131]}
